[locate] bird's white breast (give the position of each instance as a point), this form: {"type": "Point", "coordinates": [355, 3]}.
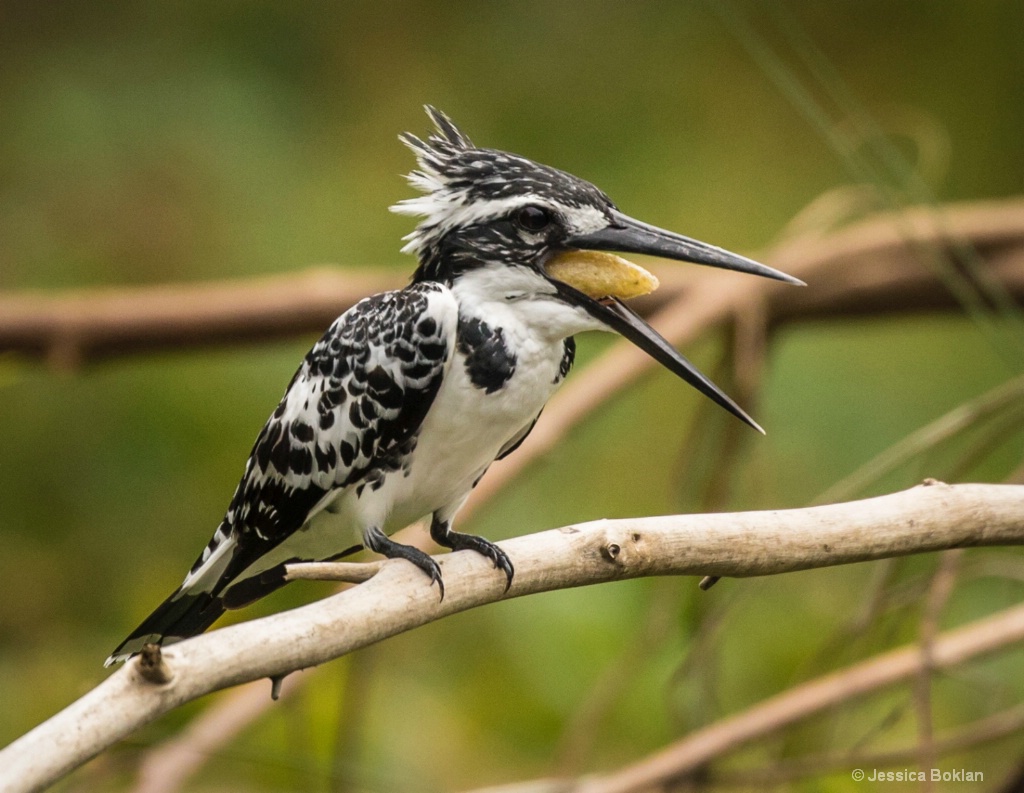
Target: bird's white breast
{"type": "Point", "coordinates": [467, 426]}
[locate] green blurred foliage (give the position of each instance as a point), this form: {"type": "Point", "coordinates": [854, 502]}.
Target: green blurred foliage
{"type": "Point", "coordinates": [151, 142]}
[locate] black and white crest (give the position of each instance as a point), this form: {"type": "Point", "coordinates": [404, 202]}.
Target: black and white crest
{"type": "Point", "coordinates": [465, 185]}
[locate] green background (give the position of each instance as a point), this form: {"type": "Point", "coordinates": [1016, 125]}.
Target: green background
{"type": "Point", "coordinates": [152, 142]}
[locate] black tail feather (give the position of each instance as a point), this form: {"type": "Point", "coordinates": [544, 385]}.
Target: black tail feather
{"type": "Point", "coordinates": [179, 617]}
{"type": "Point", "coordinates": [186, 614]}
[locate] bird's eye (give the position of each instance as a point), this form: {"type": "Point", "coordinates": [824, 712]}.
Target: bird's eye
{"type": "Point", "coordinates": [533, 218]}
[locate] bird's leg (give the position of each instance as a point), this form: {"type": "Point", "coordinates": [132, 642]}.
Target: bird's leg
{"type": "Point", "coordinates": [378, 542]}
{"type": "Point", "coordinates": [442, 534]}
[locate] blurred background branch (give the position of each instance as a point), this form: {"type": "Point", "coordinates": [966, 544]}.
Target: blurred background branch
{"type": "Point", "coordinates": [689, 756]}
{"type": "Point", "coordinates": [873, 267]}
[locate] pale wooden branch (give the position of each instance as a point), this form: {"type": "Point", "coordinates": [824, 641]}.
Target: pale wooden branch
{"type": "Point", "coordinates": [348, 572]}
{"type": "Point", "coordinates": [397, 599]}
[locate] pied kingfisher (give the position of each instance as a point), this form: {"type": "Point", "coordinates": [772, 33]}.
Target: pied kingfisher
{"type": "Point", "coordinates": [397, 412]}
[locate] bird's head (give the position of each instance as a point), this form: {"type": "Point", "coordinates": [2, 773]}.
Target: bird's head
{"type": "Point", "coordinates": [488, 208]}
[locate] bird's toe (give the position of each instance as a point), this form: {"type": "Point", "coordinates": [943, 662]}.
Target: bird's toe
{"type": "Point", "coordinates": [470, 542]}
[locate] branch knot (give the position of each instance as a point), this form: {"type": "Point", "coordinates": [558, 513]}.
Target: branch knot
{"type": "Point", "coordinates": [152, 666]}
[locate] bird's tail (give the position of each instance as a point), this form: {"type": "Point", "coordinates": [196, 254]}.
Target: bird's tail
{"type": "Point", "coordinates": [183, 614]}
{"type": "Point", "coordinates": [191, 609]}
{"type": "Point", "coordinates": [213, 586]}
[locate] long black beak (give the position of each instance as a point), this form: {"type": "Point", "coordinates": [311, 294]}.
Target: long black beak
{"type": "Point", "coordinates": [613, 313]}
{"type": "Point", "coordinates": [626, 235]}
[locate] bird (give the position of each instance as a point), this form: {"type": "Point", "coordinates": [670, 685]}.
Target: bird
{"type": "Point", "coordinates": [410, 395]}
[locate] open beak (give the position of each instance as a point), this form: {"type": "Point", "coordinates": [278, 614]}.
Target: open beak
{"type": "Point", "coordinates": [597, 282]}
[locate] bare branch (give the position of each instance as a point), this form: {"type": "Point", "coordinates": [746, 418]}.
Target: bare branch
{"type": "Point", "coordinates": [983, 731]}
{"type": "Point", "coordinates": [164, 771]}
{"type": "Point", "coordinates": [69, 328]}
{"type": "Point", "coordinates": [939, 591]}
{"type": "Point", "coordinates": [877, 267]}
{"type": "Point", "coordinates": [954, 647]}
{"type": "Point", "coordinates": [926, 518]}
{"type": "Point", "coordinates": [974, 640]}
{"type": "Point", "coordinates": [350, 572]}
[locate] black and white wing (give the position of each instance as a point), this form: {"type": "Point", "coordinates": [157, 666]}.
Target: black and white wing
{"type": "Point", "coordinates": [350, 416]}
{"type": "Point", "coordinates": [351, 413]}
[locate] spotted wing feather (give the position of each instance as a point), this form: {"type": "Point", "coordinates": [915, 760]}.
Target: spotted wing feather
{"type": "Point", "coordinates": [350, 416]}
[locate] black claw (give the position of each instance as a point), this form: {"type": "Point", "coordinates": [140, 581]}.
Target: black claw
{"type": "Point", "coordinates": [435, 577]}
{"type": "Point", "coordinates": [500, 559]}
{"type": "Point", "coordinates": [442, 535]}
{"type": "Point", "coordinates": [378, 542]}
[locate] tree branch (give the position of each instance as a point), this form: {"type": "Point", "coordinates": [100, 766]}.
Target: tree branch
{"type": "Point", "coordinates": [979, 638]}
{"type": "Point", "coordinates": [397, 599]}
{"type": "Point", "coordinates": [187, 751]}
{"type": "Point", "coordinates": [694, 751]}
{"type": "Point", "coordinates": [977, 733]}
{"type": "Point", "coordinates": [71, 327]}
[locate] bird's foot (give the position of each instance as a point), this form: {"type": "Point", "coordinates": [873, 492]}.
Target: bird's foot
{"type": "Point", "coordinates": [442, 535]}
{"type": "Point", "coordinates": [378, 542]}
